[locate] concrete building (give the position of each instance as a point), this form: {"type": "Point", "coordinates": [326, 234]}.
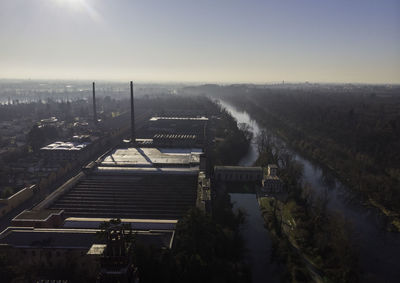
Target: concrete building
{"type": "Point", "coordinates": [65, 249]}
{"type": "Point", "coordinates": [42, 218]}
{"type": "Point", "coordinates": [238, 173]}
{"type": "Point", "coordinates": [271, 182]}
{"type": "Point", "coordinates": [68, 151]}
{"type": "Point", "coordinates": [178, 131]}
{"type": "Point", "coordinates": [149, 188]}
{"type": "Point", "coordinates": [133, 183]}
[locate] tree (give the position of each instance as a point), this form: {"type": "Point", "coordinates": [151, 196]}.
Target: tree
{"type": "Point", "coordinates": [36, 138]}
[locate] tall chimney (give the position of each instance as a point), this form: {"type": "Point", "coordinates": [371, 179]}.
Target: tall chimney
{"type": "Point", "coordinates": [133, 138]}
{"type": "Point", "coordinates": [94, 105]}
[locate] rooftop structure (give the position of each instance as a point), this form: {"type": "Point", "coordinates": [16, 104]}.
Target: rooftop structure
{"type": "Point", "coordinates": [178, 131]}
{"type": "Point", "coordinates": [50, 120]}
{"type": "Point", "coordinates": [39, 218]}
{"type": "Point", "coordinates": [74, 150]}
{"type": "Point", "coordinates": [135, 224]}
{"type": "Point", "coordinates": [152, 158]}
{"type": "Point", "coordinates": [65, 146]}
{"type": "Point", "coordinates": [179, 118]}
{"type": "Point", "coordinates": [47, 248]}
{"type": "Point", "coordinates": [142, 196]}
{"type": "Point", "coordinates": [29, 237]}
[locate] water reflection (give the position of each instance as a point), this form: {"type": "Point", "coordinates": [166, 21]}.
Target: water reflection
{"type": "Point", "coordinates": [379, 250]}
{"type": "Point", "coordinates": [258, 243]}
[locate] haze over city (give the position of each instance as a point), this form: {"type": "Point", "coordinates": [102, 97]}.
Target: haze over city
{"type": "Point", "coordinates": [201, 141]}
{"type": "Point", "coordinates": [201, 41]}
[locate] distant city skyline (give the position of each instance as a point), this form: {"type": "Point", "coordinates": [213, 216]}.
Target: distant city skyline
{"type": "Point", "coordinates": [225, 41]}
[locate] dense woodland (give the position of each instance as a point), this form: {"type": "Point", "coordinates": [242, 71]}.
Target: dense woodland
{"type": "Point", "coordinates": [352, 130]}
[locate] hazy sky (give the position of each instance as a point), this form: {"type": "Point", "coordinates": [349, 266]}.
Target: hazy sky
{"type": "Point", "coordinates": [202, 40]}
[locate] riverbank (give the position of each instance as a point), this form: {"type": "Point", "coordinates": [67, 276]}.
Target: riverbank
{"type": "Point", "coordinates": [314, 150]}
{"type": "Point", "coordinates": [314, 243]}
{"type": "Point", "coordinates": [307, 260]}
{"type": "Point", "coordinates": [378, 249]}
{"type": "Point", "coordinates": [298, 267]}
{"type": "Point", "coordinates": [258, 242]}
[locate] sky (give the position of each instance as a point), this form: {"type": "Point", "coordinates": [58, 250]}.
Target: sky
{"type": "Point", "coordinates": [225, 41]}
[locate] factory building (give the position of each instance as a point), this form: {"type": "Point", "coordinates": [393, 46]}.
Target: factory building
{"type": "Point", "coordinates": [238, 173]}
{"type": "Point", "coordinates": [178, 131]}
{"type": "Point", "coordinates": [66, 151]}
{"type": "Point", "coordinates": [148, 187]}
{"type": "Point", "coordinates": [133, 183]}
{"type": "Point", "coordinates": [63, 249]}
{"type": "Point", "coordinates": [271, 182]}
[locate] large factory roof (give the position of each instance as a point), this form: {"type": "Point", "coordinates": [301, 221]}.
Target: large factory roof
{"type": "Point", "coordinates": [180, 118]}
{"type": "Point", "coordinates": [28, 237]}
{"type": "Point", "coordinates": [139, 196]}
{"type": "Point", "coordinates": [66, 146]}
{"type": "Point", "coordinates": [136, 224]}
{"type": "Point", "coordinates": [151, 157]}
{"type": "Point", "coordinates": [194, 170]}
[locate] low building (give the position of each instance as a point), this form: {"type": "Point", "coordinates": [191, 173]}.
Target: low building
{"type": "Point", "coordinates": [78, 250]}
{"type": "Point", "coordinates": [66, 151]}
{"type": "Point", "coordinates": [43, 218]}
{"type": "Point", "coordinates": [271, 182]}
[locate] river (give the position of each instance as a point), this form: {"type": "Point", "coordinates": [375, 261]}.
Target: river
{"type": "Point", "coordinates": [379, 250]}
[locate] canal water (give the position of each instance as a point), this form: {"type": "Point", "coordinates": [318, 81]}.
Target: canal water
{"type": "Point", "coordinates": [379, 250]}
{"type": "Point", "coordinates": [257, 239]}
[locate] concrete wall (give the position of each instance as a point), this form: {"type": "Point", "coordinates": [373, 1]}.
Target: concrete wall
{"type": "Point", "coordinates": [60, 191]}
{"type": "Point", "coordinates": [238, 175]}
{"type": "Point", "coordinates": [16, 199]}
{"type": "Point", "coordinates": [57, 258]}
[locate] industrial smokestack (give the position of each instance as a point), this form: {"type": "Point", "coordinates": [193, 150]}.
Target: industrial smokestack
{"type": "Point", "coordinates": [133, 138]}
{"type": "Point", "coordinates": [94, 105]}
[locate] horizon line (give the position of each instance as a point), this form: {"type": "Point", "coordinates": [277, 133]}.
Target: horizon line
{"type": "Point", "coordinates": [281, 82]}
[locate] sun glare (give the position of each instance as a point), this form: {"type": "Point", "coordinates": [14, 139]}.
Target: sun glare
{"type": "Point", "coordinates": [81, 6]}
{"type": "Point", "coordinates": [71, 2]}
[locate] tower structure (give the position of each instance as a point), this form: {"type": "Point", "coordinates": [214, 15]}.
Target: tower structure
{"type": "Point", "coordinates": [133, 137]}
{"type": "Point", "coordinates": [94, 104]}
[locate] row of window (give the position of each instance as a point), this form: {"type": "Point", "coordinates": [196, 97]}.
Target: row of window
{"type": "Point", "coordinates": [235, 176]}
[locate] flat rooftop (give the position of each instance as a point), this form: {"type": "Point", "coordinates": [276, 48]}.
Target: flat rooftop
{"type": "Point", "coordinates": [136, 224]}
{"type": "Point", "coordinates": [152, 157]}
{"type": "Point", "coordinates": [174, 136]}
{"type": "Point", "coordinates": [179, 118]}
{"type": "Point", "coordinates": [72, 238]}
{"type": "Point", "coordinates": [138, 196]}
{"type": "Point", "coordinates": [193, 170]}
{"type": "Point", "coordinates": [59, 145]}
{"type": "Point", "coordinates": [41, 214]}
